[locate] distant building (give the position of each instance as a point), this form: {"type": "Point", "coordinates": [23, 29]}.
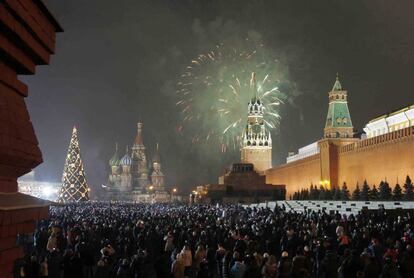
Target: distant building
{"type": "Point", "coordinates": [384, 152]}
{"type": "Point", "coordinates": [395, 120]}
{"type": "Point", "coordinates": [27, 184]}
{"type": "Point", "coordinates": [242, 184]}
{"type": "Point", "coordinates": [132, 178]}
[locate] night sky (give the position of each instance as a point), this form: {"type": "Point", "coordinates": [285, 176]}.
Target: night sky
{"type": "Point", "coordinates": [117, 63]}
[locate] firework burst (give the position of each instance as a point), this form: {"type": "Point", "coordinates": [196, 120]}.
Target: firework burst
{"type": "Point", "coordinates": [215, 89]}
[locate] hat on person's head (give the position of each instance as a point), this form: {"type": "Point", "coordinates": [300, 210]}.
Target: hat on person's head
{"type": "Point", "coordinates": [285, 254]}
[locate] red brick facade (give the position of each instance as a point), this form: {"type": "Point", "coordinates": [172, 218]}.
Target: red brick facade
{"type": "Point", "coordinates": [385, 157]}
{"type": "Point", "coordinates": [27, 39]}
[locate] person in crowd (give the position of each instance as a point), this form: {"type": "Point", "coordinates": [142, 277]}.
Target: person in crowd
{"type": "Point", "coordinates": [106, 240]}
{"type": "Point", "coordinates": [178, 267]}
{"type": "Point", "coordinates": [407, 262]}
{"type": "Point", "coordinates": [284, 266]}
{"type": "Point", "coordinates": [239, 268]}
{"type": "Point", "coordinates": [220, 253]}
{"type": "Point", "coordinates": [43, 268]}
{"type": "Point", "coordinates": [329, 266]}
{"type": "Point", "coordinates": [269, 269]}
{"type": "Point", "coordinates": [300, 265]}
{"type": "Point", "coordinates": [32, 269]}
{"type": "Point", "coordinates": [169, 242]}
{"type": "Point", "coordinates": [199, 257]}
{"type": "Point", "coordinates": [187, 259]}
{"type": "Point", "coordinates": [252, 268]}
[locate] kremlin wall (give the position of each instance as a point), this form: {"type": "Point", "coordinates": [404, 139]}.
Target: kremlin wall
{"type": "Point", "coordinates": [384, 152]}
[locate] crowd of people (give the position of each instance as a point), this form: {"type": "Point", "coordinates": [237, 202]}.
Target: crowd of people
{"type": "Point", "coordinates": [104, 240]}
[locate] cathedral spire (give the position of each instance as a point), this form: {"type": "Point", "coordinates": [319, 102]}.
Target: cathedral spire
{"type": "Point", "coordinates": [138, 138]}
{"type": "Point", "coordinates": [157, 156]}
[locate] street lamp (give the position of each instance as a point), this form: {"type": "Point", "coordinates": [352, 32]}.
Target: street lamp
{"type": "Point", "coordinates": [152, 193]}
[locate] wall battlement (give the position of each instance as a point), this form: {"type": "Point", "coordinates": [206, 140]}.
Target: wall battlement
{"type": "Point", "coordinates": [391, 137]}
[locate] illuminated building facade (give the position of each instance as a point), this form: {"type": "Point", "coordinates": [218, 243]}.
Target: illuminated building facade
{"type": "Point", "coordinates": [132, 177]}
{"type": "Point", "coordinates": [383, 153]}
{"type": "Point", "coordinates": [396, 120]}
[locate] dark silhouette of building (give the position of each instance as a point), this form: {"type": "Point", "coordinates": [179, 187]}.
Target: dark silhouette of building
{"type": "Point", "coordinates": [27, 39]}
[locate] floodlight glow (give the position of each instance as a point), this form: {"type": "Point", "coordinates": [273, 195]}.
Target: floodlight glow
{"type": "Point", "coordinates": [47, 191]}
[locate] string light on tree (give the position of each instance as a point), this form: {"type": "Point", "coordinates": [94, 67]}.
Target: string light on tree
{"type": "Point", "coordinates": [74, 187]}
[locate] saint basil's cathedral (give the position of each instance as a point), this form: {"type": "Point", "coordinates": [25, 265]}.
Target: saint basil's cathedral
{"type": "Point", "coordinates": [132, 177]}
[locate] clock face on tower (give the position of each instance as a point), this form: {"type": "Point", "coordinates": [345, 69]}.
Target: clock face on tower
{"type": "Point", "coordinates": [256, 128]}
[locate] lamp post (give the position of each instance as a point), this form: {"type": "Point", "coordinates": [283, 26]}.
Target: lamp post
{"type": "Point", "coordinates": [151, 188]}
{"type": "Point", "coordinates": [172, 194]}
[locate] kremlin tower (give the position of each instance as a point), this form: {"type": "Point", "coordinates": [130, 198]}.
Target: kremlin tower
{"type": "Point", "coordinates": [256, 140]}
{"type": "Point", "coordinates": [338, 121]}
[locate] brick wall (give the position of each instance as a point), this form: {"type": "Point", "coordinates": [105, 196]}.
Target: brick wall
{"type": "Point", "coordinates": [297, 174]}
{"type": "Point", "coordinates": [13, 222]}
{"type": "Point", "coordinates": [389, 156]}
{"type": "Point", "coordinates": [27, 39]}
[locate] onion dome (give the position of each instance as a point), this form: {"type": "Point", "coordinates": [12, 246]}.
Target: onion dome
{"type": "Point", "coordinates": [114, 161]}
{"type": "Point", "coordinates": [126, 160]}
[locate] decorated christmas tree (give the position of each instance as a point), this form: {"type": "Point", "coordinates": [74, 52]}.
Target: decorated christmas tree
{"type": "Point", "coordinates": [74, 187]}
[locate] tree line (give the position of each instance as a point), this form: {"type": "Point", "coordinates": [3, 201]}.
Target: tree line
{"type": "Point", "coordinates": [383, 192]}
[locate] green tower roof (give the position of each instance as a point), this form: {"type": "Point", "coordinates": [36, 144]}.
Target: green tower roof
{"type": "Point", "coordinates": [338, 112]}
{"type": "Point", "coordinates": [338, 115]}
